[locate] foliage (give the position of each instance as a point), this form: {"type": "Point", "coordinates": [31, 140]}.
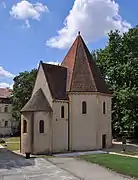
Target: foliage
{"type": "Point", "coordinates": [121, 164]}
{"type": "Point", "coordinates": [2, 141]}
{"type": "Point", "coordinates": [119, 66]}
{"type": "Point", "coordinates": [22, 90]}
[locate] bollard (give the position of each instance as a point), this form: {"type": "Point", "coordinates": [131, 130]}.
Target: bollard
{"type": "Point", "coordinates": [27, 155]}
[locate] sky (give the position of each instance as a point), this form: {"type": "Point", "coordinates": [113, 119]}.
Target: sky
{"type": "Point", "coordinates": [33, 30]}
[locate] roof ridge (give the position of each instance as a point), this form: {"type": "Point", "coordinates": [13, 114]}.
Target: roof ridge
{"type": "Point", "coordinates": [87, 60]}
{"type": "Point", "coordinates": [75, 59]}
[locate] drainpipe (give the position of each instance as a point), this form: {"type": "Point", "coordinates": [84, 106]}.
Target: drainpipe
{"type": "Point", "coordinates": [68, 129]}
{"type": "Point", "coordinates": [32, 132]}
{"type": "Point", "coordinates": [20, 133]}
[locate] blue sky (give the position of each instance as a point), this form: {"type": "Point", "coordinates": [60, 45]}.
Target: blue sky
{"type": "Point", "coordinates": [33, 30]}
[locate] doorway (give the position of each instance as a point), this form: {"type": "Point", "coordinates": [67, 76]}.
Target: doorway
{"type": "Point", "coordinates": [104, 141]}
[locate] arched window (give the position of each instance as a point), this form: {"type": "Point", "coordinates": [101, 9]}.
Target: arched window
{"type": "Point", "coordinates": [62, 111]}
{"type": "Point", "coordinates": [103, 107]}
{"type": "Point", "coordinates": [41, 126]}
{"type": "Point", "coordinates": [24, 126]}
{"type": "Point", "coordinates": [84, 107]}
{"type": "Point", "coordinates": [6, 124]}
{"type": "Point", "coordinates": [6, 109]}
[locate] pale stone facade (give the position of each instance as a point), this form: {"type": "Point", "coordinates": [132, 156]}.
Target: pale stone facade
{"type": "Point", "coordinates": [6, 120]}
{"type": "Point", "coordinates": [77, 119]}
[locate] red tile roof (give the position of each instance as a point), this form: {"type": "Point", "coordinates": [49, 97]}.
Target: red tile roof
{"type": "Point", "coordinates": [78, 73]}
{"type": "Point", "coordinates": [5, 92]}
{"type": "Point", "coordinates": [83, 74]}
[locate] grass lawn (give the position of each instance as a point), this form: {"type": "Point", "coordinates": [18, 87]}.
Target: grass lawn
{"type": "Point", "coordinates": [124, 165]}
{"type": "Point", "coordinates": [12, 146]}
{"type": "Point", "coordinates": [12, 143]}
{"type": "Point", "coordinates": [12, 139]}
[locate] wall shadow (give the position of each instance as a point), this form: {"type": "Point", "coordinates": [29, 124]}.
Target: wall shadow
{"type": "Point", "coordinates": [10, 160]}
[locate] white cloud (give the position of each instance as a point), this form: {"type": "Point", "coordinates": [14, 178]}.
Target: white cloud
{"type": "Point", "coordinates": [4, 73]}
{"type": "Point", "coordinates": [53, 62]}
{"type": "Point", "coordinates": [49, 62]}
{"type": "Point", "coordinates": [6, 85]}
{"type": "Point", "coordinates": [3, 4]}
{"type": "Point", "coordinates": [94, 18]}
{"type": "Point", "coordinates": [24, 10]}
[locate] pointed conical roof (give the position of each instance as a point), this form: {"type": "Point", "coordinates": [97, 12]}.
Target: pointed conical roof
{"type": "Point", "coordinates": [38, 102]}
{"type": "Point", "coordinates": [83, 73]}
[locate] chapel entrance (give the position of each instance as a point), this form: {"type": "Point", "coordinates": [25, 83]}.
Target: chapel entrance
{"type": "Point", "coordinates": [104, 141]}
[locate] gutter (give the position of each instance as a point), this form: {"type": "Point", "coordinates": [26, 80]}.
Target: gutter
{"type": "Point", "coordinates": [68, 129]}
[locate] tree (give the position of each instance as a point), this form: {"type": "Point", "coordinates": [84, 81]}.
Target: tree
{"type": "Point", "coordinates": [119, 65]}
{"type": "Point", "coordinates": [22, 90]}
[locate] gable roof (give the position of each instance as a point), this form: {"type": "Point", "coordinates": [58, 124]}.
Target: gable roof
{"type": "Point", "coordinates": [38, 102]}
{"type": "Point", "coordinates": [5, 92]}
{"type": "Point", "coordinates": [56, 77]}
{"type": "Point", "coordinates": [83, 75]}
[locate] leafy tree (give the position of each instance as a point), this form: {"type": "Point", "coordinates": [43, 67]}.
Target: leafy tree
{"type": "Point", "coordinates": [119, 65]}
{"type": "Point", "coordinates": [22, 90]}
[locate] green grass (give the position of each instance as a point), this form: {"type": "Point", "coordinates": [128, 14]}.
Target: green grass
{"type": "Point", "coordinates": [12, 146]}
{"type": "Point", "coordinates": [124, 165]}
{"type": "Point", "coordinates": [12, 143]}
{"type": "Point", "coordinates": [133, 153]}
{"type": "Point", "coordinates": [12, 139]}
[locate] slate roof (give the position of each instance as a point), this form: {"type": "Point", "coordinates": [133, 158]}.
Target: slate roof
{"type": "Point", "coordinates": [38, 102]}
{"type": "Point", "coordinates": [5, 92]}
{"type": "Point", "coordinates": [83, 75]}
{"type": "Point", "coordinates": [56, 77]}
{"type": "Point", "coordinates": [77, 73]}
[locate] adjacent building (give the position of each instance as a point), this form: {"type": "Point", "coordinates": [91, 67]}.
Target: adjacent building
{"type": "Point", "coordinates": [6, 119]}
{"type": "Point", "coordinates": [70, 106]}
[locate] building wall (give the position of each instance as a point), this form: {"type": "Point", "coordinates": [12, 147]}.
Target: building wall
{"type": "Point", "coordinates": [5, 116]}
{"type": "Point", "coordinates": [60, 127]}
{"type": "Point", "coordinates": [104, 123]}
{"type": "Point", "coordinates": [86, 129]}
{"type": "Point", "coordinates": [41, 82]}
{"type": "Point", "coordinates": [26, 137]}
{"type": "Point", "coordinates": [42, 141]}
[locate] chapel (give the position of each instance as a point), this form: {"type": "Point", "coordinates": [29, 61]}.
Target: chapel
{"type": "Point", "coordinates": [70, 106]}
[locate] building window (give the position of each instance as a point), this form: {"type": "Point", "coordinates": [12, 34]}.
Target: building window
{"type": "Point", "coordinates": [84, 107]}
{"type": "Point", "coordinates": [6, 109]}
{"type": "Point", "coordinates": [41, 126]}
{"type": "Point", "coordinates": [6, 124]}
{"type": "Point", "coordinates": [24, 126]}
{"type": "Point", "coordinates": [62, 111]}
{"type": "Point", "coordinates": [103, 107]}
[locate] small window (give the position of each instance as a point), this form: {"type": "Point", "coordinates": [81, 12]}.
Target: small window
{"type": "Point", "coordinates": [62, 111]}
{"type": "Point", "coordinates": [103, 107]}
{"type": "Point", "coordinates": [24, 126]}
{"type": "Point", "coordinates": [6, 123]}
{"type": "Point", "coordinates": [41, 126]}
{"type": "Point", "coordinates": [6, 109]}
{"type": "Point", "coordinates": [84, 107]}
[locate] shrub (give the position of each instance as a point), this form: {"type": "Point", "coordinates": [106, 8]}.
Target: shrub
{"type": "Point", "coordinates": [2, 141]}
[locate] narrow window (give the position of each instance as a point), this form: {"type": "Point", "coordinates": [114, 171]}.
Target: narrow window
{"type": "Point", "coordinates": [6, 109]}
{"type": "Point", "coordinates": [62, 111]}
{"type": "Point", "coordinates": [84, 107]}
{"type": "Point", "coordinates": [6, 123]}
{"type": "Point", "coordinates": [24, 126]}
{"type": "Point", "coordinates": [103, 107]}
{"type": "Point", "coordinates": [41, 126]}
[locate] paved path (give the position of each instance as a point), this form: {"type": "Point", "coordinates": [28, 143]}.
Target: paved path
{"type": "Point", "coordinates": [16, 167]}
{"type": "Point", "coordinates": [86, 171]}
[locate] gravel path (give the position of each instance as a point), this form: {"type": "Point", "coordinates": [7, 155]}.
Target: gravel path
{"type": "Point", "coordinates": [16, 167]}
